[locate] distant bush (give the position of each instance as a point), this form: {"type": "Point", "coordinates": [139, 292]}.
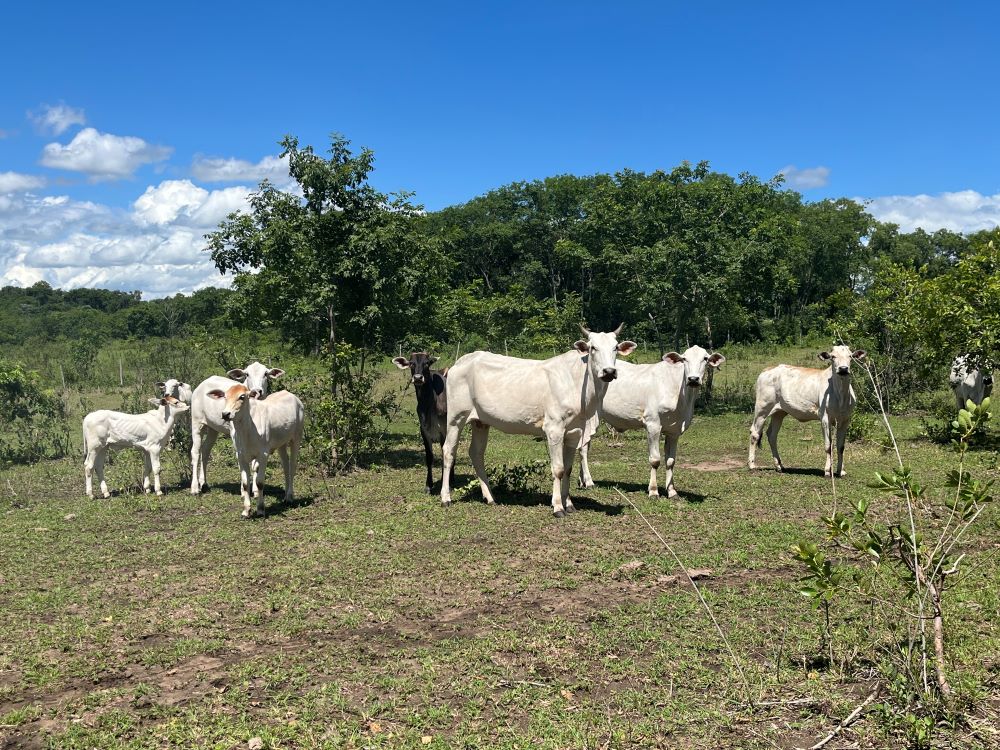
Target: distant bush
{"type": "Point", "coordinates": [33, 421]}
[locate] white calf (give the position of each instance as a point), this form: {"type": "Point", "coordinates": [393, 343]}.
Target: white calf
{"type": "Point", "coordinates": [149, 432]}
{"type": "Point", "coordinates": [658, 398]}
{"type": "Point", "coordinates": [206, 414]}
{"type": "Point", "coordinates": [807, 394]}
{"type": "Point", "coordinates": [177, 389]}
{"type": "Point", "coordinates": [261, 426]}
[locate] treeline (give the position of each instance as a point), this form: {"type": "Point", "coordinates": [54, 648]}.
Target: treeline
{"type": "Point", "coordinates": [685, 255]}
{"type": "Point", "coordinates": [41, 313]}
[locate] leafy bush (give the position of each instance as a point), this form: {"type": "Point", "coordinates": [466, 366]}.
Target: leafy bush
{"type": "Point", "coordinates": [347, 417]}
{"type": "Point", "coordinates": [33, 421]}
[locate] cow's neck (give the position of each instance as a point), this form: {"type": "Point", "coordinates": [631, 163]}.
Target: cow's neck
{"type": "Point", "coordinates": [685, 401]}
{"type": "Point", "coordinates": [841, 386]}
{"type": "Point", "coordinates": [425, 391]}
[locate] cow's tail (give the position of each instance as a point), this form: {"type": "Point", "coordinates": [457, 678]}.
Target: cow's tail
{"type": "Point", "coordinates": [84, 442]}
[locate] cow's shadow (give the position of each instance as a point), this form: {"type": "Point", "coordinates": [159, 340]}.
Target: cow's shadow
{"type": "Point", "coordinates": [800, 471]}
{"type": "Point", "coordinates": [274, 498]}
{"type": "Point", "coordinates": [539, 500]}
{"type": "Point", "coordinates": [635, 487]}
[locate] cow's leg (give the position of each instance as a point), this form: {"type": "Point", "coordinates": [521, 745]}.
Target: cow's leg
{"type": "Point", "coordinates": [207, 442]}
{"type": "Point", "coordinates": [293, 463]}
{"type": "Point", "coordinates": [196, 468]}
{"type": "Point", "coordinates": [772, 437]}
{"type": "Point", "coordinates": [653, 439]}
{"type": "Point", "coordinates": [153, 458]}
{"type": "Point", "coordinates": [258, 483]}
{"type": "Point", "coordinates": [841, 440]}
{"type": "Point", "coordinates": [827, 444]}
{"type": "Point", "coordinates": [670, 449]}
{"type": "Point", "coordinates": [477, 452]}
{"type": "Point", "coordinates": [147, 469]}
{"type": "Point", "coordinates": [756, 433]}
{"type": "Point", "coordinates": [556, 436]}
{"type": "Point", "coordinates": [586, 480]}
{"type": "Point", "coordinates": [99, 468]}
{"type": "Point", "coordinates": [569, 453]}
{"type": "Point", "coordinates": [285, 471]}
{"type": "Point", "coordinates": [451, 474]}
{"type": "Point", "coordinates": [429, 461]}
{"type": "Point", "coordinates": [245, 481]}
{"type": "Point", "coordinates": [448, 456]}
{"type": "Point", "coordinates": [88, 471]}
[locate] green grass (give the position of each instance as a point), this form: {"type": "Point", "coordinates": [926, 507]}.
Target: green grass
{"type": "Point", "coordinates": [365, 615]}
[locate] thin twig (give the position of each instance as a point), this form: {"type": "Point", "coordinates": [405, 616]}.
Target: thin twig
{"type": "Point", "coordinates": [708, 609]}
{"type": "Point", "coordinates": [846, 722]}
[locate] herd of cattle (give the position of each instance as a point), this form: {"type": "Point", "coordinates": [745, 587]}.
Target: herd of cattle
{"type": "Point", "coordinates": [562, 399]}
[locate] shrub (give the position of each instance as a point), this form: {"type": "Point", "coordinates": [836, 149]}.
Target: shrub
{"type": "Point", "coordinates": [33, 421]}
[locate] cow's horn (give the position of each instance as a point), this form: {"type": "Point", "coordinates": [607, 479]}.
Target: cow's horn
{"type": "Point", "coordinates": [584, 329]}
{"type": "Point", "coordinates": [619, 328]}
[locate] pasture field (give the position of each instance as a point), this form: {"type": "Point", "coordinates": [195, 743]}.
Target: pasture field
{"type": "Point", "coordinates": [365, 615]}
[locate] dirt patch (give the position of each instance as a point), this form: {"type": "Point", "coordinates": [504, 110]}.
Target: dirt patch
{"type": "Point", "coordinates": [726, 463]}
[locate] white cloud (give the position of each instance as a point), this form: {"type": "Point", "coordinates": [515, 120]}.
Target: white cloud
{"type": "Point", "coordinates": [6, 133]}
{"type": "Point", "coordinates": [103, 156]}
{"type": "Point", "coordinates": [156, 247]}
{"type": "Point", "coordinates": [962, 211]}
{"type": "Point", "coordinates": [184, 203]}
{"type": "Point", "coordinates": [15, 182]}
{"type": "Point", "coordinates": [57, 118]}
{"type": "Point", "coordinates": [805, 179]}
{"type": "Point", "coordinates": [217, 169]}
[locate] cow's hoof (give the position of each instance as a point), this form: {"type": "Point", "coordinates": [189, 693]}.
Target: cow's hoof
{"type": "Point", "coordinates": [827, 474]}
{"type": "Point", "coordinates": [570, 508]}
{"type": "Point", "coordinates": [445, 503]}
{"type": "Point", "coordinates": [672, 493]}
{"type": "Point", "coordinates": [558, 514]}
{"type": "Point", "coordinates": [842, 474]}
{"type": "Point", "coordinates": [159, 493]}
{"type": "Point", "coordinates": [107, 495]}
{"type": "Point", "coordinates": [429, 490]}
{"type": "Point", "coordinates": [653, 494]}
{"type": "Point", "coordinates": [585, 485]}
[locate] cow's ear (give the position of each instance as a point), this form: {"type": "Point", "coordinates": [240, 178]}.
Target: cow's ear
{"type": "Point", "coordinates": [432, 360]}
{"type": "Point", "coordinates": [861, 355]}
{"type": "Point", "coordinates": [824, 355]}
{"type": "Point", "coordinates": [716, 360]}
{"type": "Point", "coordinates": [673, 358]}
{"type": "Point", "coordinates": [157, 401]}
{"type": "Point", "coordinates": [401, 362]}
{"type": "Point", "coordinates": [161, 385]}
{"type": "Point", "coordinates": [625, 348]}
{"type": "Point", "coordinates": [582, 346]}
{"type": "Point", "coordinates": [216, 393]}
{"type": "Point", "coordinates": [237, 374]}
{"type": "Point", "coordinates": [275, 372]}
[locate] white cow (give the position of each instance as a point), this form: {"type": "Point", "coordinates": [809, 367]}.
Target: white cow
{"type": "Point", "coordinates": [177, 389]}
{"type": "Point", "coordinates": [149, 432]}
{"type": "Point", "coordinates": [658, 398]}
{"type": "Point", "coordinates": [968, 383]}
{"type": "Point", "coordinates": [553, 397]}
{"type": "Point", "coordinates": [206, 414]}
{"type": "Point", "coordinates": [807, 394]}
{"type": "Point", "coordinates": [260, 427]}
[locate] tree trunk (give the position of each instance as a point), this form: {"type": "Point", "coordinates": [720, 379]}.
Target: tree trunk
{"type": "Point", "coordinates": [334, 377]}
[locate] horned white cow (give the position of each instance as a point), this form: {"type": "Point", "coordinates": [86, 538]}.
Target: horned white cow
{"type": "Point", "coordinates": [554, 397]}
{"type": "Point", "coordinates": [658, 398]}
{"type": "Point", "coordinates": [206, 414]}
{"type": "Point", "coordinates": [807, 394]}
{"type": "Point", "coordinates": [149, 432]}
{"type": "Point", "coordinates": [177, 389]}
{"type": "Point", "coordinates": [968, 383]}
{"type": "Point", "coordinates": [260, 427]}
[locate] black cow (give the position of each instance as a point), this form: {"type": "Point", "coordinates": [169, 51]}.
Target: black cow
{"type": "Point", "coordinates": [432, 406]}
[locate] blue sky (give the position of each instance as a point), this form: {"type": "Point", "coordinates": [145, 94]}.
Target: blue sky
{"type": "Point", "coordinates": [129, 129]}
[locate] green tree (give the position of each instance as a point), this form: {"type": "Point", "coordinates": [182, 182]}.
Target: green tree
{"type": "Point", "coordinates": [341, 265]}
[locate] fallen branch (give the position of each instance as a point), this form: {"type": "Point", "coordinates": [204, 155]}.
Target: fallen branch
{"type": "Point", "coordinates": [846, 722]}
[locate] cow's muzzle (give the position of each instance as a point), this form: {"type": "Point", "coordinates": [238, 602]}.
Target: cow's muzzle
{"type": "Point", "coordinates": [418, 379]}
{"type": "Point", "coordinates": [609, 374]}
{"type": "Point", "coordinates": [694, 382]}
{"type": "Point", "coordinates": [227, 416]}
{"type": "Point", "coordinates": [843, 370]}
{"type": "Point", "coordinates": [257, 393]}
